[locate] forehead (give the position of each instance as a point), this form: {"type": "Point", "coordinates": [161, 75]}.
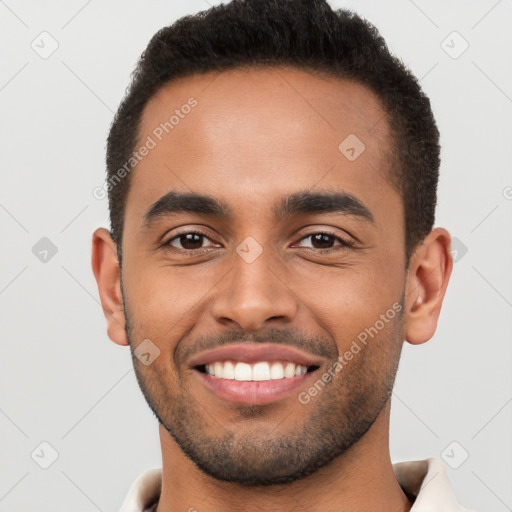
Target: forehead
{"type": "Point", "coordinates": [246, 135]}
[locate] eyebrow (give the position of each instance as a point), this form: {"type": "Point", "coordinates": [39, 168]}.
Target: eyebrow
{"type": "Point", "coordinates": [297, 203]}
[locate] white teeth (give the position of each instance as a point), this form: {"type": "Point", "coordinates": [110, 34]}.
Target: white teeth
{"type": "Point", "coordinates": [242, 371]}
{"type": "Point", "coordinates": [229, 371]}
{"type": "Point", "coordinates": [289, 371]}
{"type": "Point", "coordinates": [276, 371]}
{"type": "Point", "coordinates": [301, 370]}
{"type": "Point", "coordinates": [260, 371]}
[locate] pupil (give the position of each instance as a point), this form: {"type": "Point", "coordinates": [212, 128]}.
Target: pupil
{"type": "Point", "coordinates": [195, 240]}
{"type": "Point", "coordinates": [187, 240]}
{"type": "Point", "coordinates": [323, 238]}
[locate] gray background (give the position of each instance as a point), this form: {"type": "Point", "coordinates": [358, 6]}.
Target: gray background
{"type": "Point", "coordinates": [63, 382]}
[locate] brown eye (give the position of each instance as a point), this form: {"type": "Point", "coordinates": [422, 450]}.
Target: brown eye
{"type": "Point", "coordinates": [187, 241]}
{"type": "Point", "coordinates": [324, 241]}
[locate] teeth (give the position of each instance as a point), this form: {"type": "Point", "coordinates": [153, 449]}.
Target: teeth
{"type": "Point", "coordinates": [289, 371]}
{"type": "Point", "coordinates": [260, 371]}
{"type": "Point", "coordinates": [228, 371]}
{"type": "Point", "coordinates": [276, 371]}
{"type": "Point", "coordinates": [242, 371]}
{"type": "Point", "coordinates": [300, 370]}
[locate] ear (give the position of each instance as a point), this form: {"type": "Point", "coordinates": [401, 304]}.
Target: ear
{"type": "Point", "coordinates": [429, 271]}
{"type": "Point", "coordinates": [105, 266]}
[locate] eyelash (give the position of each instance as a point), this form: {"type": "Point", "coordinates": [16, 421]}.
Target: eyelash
{"type": "Point", "coordinates": [344, 244]}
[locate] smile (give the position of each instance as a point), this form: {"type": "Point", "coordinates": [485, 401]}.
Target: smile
{"type": "Point", "coordinates": [254, 373]}
{"type": "Point", "coordinates": [260, 371]}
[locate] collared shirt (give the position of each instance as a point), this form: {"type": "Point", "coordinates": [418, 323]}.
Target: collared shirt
{"type": "Point", "coordinates": [424, 482]}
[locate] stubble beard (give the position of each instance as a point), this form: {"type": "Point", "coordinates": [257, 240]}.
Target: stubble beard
{"type": "Point", "coordinates": [283, 449]}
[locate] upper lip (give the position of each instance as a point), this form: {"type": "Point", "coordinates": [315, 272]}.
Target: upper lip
{"type": "Point", "coordinates": [250, 352]}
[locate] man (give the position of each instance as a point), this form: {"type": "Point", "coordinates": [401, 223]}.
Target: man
{"type": "Point", "coordinates": [272, 179]}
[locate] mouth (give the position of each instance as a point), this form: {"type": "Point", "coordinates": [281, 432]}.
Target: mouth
{"type": "Point", "coordinates": [253, 374]}
{"type": "Point", "coordinates": [257, 372]}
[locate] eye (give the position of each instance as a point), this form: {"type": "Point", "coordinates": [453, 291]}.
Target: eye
{"type": "Point", "coordinates": [192, 242]}
{"type": "Point", "coordinates": [188, 240]}
{"type": "Point", "coordinates": [324, 239]}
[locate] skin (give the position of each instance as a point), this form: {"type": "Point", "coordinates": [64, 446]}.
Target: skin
{"type": "Point", "coordinates": [255, 136]}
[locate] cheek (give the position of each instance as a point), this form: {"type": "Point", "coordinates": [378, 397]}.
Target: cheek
{"type": "Point", "coordinates": [163, 299]}
{"type": "Point", "coordinates": [348, 302]}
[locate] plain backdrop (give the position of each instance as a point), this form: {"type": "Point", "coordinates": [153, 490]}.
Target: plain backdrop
{"type": "Point", "coordinates": [69, 400]}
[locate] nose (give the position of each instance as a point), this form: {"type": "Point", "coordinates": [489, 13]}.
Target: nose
{"type": "Point", "coordinates": [255, 292]}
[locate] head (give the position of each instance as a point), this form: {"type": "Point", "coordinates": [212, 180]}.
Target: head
{"type": "Point", "coordinates": [286, 195]}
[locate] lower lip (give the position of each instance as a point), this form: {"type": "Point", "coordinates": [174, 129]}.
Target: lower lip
{"type": "Point", "coordinates": [253, 392]}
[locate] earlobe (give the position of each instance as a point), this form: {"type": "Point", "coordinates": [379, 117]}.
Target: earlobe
{"type": "Point", "coordinates": [429, 272]}
{"type": "Point", "coordinates": [105, 266]}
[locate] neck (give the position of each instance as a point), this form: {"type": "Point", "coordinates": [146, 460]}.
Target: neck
{"type": "Point", "coordinates": [359, 480]}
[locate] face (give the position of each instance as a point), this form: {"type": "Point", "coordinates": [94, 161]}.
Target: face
{"type": "Point", "coordinates": [263, 240]}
